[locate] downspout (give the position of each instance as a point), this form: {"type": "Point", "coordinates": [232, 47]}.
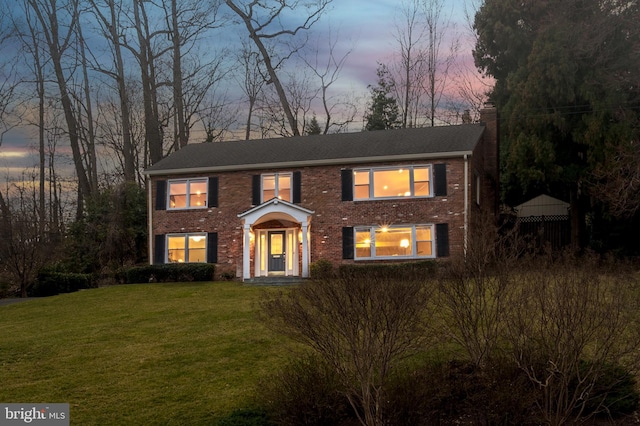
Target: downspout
{"type": "Point", "coordinates": [150, 220]}
{"type": "Point", "coordinates": [466, 203]}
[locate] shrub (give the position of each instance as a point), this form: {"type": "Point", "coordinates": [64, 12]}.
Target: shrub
{"type": "Point", "coordinates": [52, 283]}
{"type": "Point", "coordinates": [423, 270]}
{"type": "Point", "coordinates": [361, 326]}
{"type": "Point", "coordinates": [179, 272]}
{"type": "Point", "coordinates": [305, 391]}
{"type": "Point", "coordinates": [460, 392]}
{"type": "Point", "coordinates": [321, 270]}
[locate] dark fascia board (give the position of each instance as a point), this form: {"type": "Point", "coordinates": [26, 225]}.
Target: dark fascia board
{"type": "Point", "coordinates": [308, 163]}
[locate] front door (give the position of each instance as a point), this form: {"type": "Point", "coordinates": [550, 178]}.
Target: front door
{"type": "Point", "coordinates": [276, 252]}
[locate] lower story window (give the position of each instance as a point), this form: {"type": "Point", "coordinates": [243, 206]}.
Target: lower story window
{"type": "Point", "coordinates": [187, 248]}
{"type": "Point", "coordinates": [389, 242]}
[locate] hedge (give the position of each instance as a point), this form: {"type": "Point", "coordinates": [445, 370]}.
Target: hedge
{"type": "Point", "coordinates": [175, 272]}
{"type": "Point", "coordinates": [52, 283]}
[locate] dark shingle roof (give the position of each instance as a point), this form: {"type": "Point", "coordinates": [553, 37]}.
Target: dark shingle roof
{"type": "Point", "coordinates": [345, 148]}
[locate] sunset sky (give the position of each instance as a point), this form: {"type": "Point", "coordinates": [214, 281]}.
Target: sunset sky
{"type": "Point", "coordinates": [366, 27]}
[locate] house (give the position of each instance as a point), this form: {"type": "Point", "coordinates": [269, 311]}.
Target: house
{"type": "Point", "coordinates": [270, 207]}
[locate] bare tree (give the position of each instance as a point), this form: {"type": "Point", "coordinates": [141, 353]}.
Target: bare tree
{"type": "Point", "coordinates": [409, 68]}
{"type": "Point", "coordinates": [252, 82]}
{"type": "Point", "coordinates": [574, 334]}
{"type": "Point", "coordinates": [264, 22]}
{"type": "Point", "coordinates": [439, 62]}
{"type": "Point", "coordinates": [337, 112]}
{"type": "Point", "coordinates": [58, 24]}
{"type": "Point", "coordinates": [23, 249]}
{"type": "Point", "coordinates": [361, 326]}
{"type": "Point", "coordinates": [111, 26]}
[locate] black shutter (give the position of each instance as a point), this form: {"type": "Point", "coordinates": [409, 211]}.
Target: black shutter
{"type": "Point", "coordinates": [159, 250]}
{"type": "Point", "coordinates": [440, 179]}
{"type": "Point", "coordinates": [297, 187]}
{"type": "Point", "coordinates": [213, 192]}
{"type": "Point", "coordinates": [255, 190]}
{"type": "Point", "coordinates": [347, 242]}
{"type": "Point", "coordinates": [161, 195]}
{"type": "Point", "coordinates": [442, 239]}
{"type": "Point", "coordinates": [212, 247]}
{"type": "Point", "coordinates": [347, 186]}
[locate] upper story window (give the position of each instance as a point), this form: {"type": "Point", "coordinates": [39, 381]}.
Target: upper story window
{"type": "Point", "coordinates": [187, 248]}
{"type": "Point", "coordinates": [382, 242]}
{"type": "Point", "coordinates": [276, 185]}
{"type": "Point", "coordinates": [392, 182]}
{"type": "Point", "coordinates": [187, 194]}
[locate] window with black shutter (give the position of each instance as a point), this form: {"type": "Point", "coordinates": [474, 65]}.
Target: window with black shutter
{"type": "Point", "coordinates": [347, 242]}
{"type": "Point", "coordinates": [440, 179]}
{"type": "Point", "coordinates": [347, 184]}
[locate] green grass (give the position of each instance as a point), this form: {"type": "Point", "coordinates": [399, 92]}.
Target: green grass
{"type": "Point", "coordinates": [139, 354]}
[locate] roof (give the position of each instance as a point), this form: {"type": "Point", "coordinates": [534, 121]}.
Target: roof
{"type": "Point", "coordinates": [341, 148]}
{"type": "Point", "coordinates": [543, 205]}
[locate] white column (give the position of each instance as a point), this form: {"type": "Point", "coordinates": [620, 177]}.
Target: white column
{"type": "Point", "coordinates": [246, 254]}
{"type": "Point", "coordinates": [305, 249]}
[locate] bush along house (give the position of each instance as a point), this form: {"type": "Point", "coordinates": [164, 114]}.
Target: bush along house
{"type": "Point", "coordinates": [270, 207]}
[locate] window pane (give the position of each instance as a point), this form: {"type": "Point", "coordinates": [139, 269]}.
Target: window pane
{"type": "Point", "coordinates": [424, 245]}
{"type": "Point", "coordinates": [198, 194]}
{"type": "Point", "coordinates": [177, 195]}
{"type": "Point", "coordinates": [361, 184]}
{"type": "Point", "coordinates": [421, 181]}
{"type": "Point", "coordinates": [424, 248]}
{"type": "Point", "coordinates": [268, 187]}
{"type": "Point", "coordinates": [391, 183]}
{"type": "Point", "coordinates": [393, 242]}
{"type": "Point", "coordinates": [284, 187]}
{"type": "Point", "coordinates": [197, 248]}
{"type": "Point", "coordinates": [363, 243]}
{"type": "Point", "coordinates": [176, 249]}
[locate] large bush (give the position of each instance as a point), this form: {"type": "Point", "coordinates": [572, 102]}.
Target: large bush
{"type": "Point", "coordinates": [52, 283]}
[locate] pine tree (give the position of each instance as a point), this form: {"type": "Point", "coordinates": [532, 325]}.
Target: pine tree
{"type": "Point", "coordinates": [383, 110]}
{"type": "Point", "coordinates": [312, 127]}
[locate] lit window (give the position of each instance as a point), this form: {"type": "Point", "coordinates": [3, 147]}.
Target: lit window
{"type": "Point", "coordinates": [415, 241]}
{"type": "Point", "coordinates": [187, 248]}
{"type": "Point", "coordinates": [400, 182]}
{"type": "Point", "coordinates": [188, 194]}
{"type": "Point", "coordinates": [276, 185]}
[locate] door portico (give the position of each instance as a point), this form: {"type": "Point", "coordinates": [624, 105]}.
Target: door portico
{"type": "Point", "coordinates": [278, 233]}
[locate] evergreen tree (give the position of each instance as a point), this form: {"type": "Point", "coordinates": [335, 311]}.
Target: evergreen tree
{"type": "Point", "coordinates": [312, 127]}
{"type": "Point", "coordinates": [568, 91]}
{"type": "Point", "coordinates": [383, 110]}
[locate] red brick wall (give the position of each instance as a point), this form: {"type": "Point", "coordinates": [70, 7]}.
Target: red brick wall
{"type": "Point", "coordinates": [321, 192]}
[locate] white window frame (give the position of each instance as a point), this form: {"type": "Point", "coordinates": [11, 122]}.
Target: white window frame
{"type": "Point", "coordinates": [414, 242]}
{"type": "Point", "coordinates": [276, 185]}
{"type": "Point", "coordinates": [186, 245]}
{"type": "Point", "coordinates": [188, 183]}
{"type": "Point", "coordinates": [411, 168]}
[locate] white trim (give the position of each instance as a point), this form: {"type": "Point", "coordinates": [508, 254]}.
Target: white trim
{"type": "Point", "coordinates": [274, 209]}
{"type": "Point", "coordinates": [414, 241]}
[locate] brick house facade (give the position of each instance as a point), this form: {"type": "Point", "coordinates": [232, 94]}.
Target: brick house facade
{"type": "Point", "coordinates": [271, 207]}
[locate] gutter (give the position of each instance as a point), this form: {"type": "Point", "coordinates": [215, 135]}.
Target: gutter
{"type": "Point", "coordinates": [150, 220]}
{"type": "Point", "coordinates": [466, 204]}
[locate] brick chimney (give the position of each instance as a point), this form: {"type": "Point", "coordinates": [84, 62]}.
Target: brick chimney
{"type": "Point", "coordinates": [491, 142]}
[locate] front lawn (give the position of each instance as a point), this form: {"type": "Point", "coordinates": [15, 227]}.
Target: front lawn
{"type": "Point", "coordinates": [138, 354]}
